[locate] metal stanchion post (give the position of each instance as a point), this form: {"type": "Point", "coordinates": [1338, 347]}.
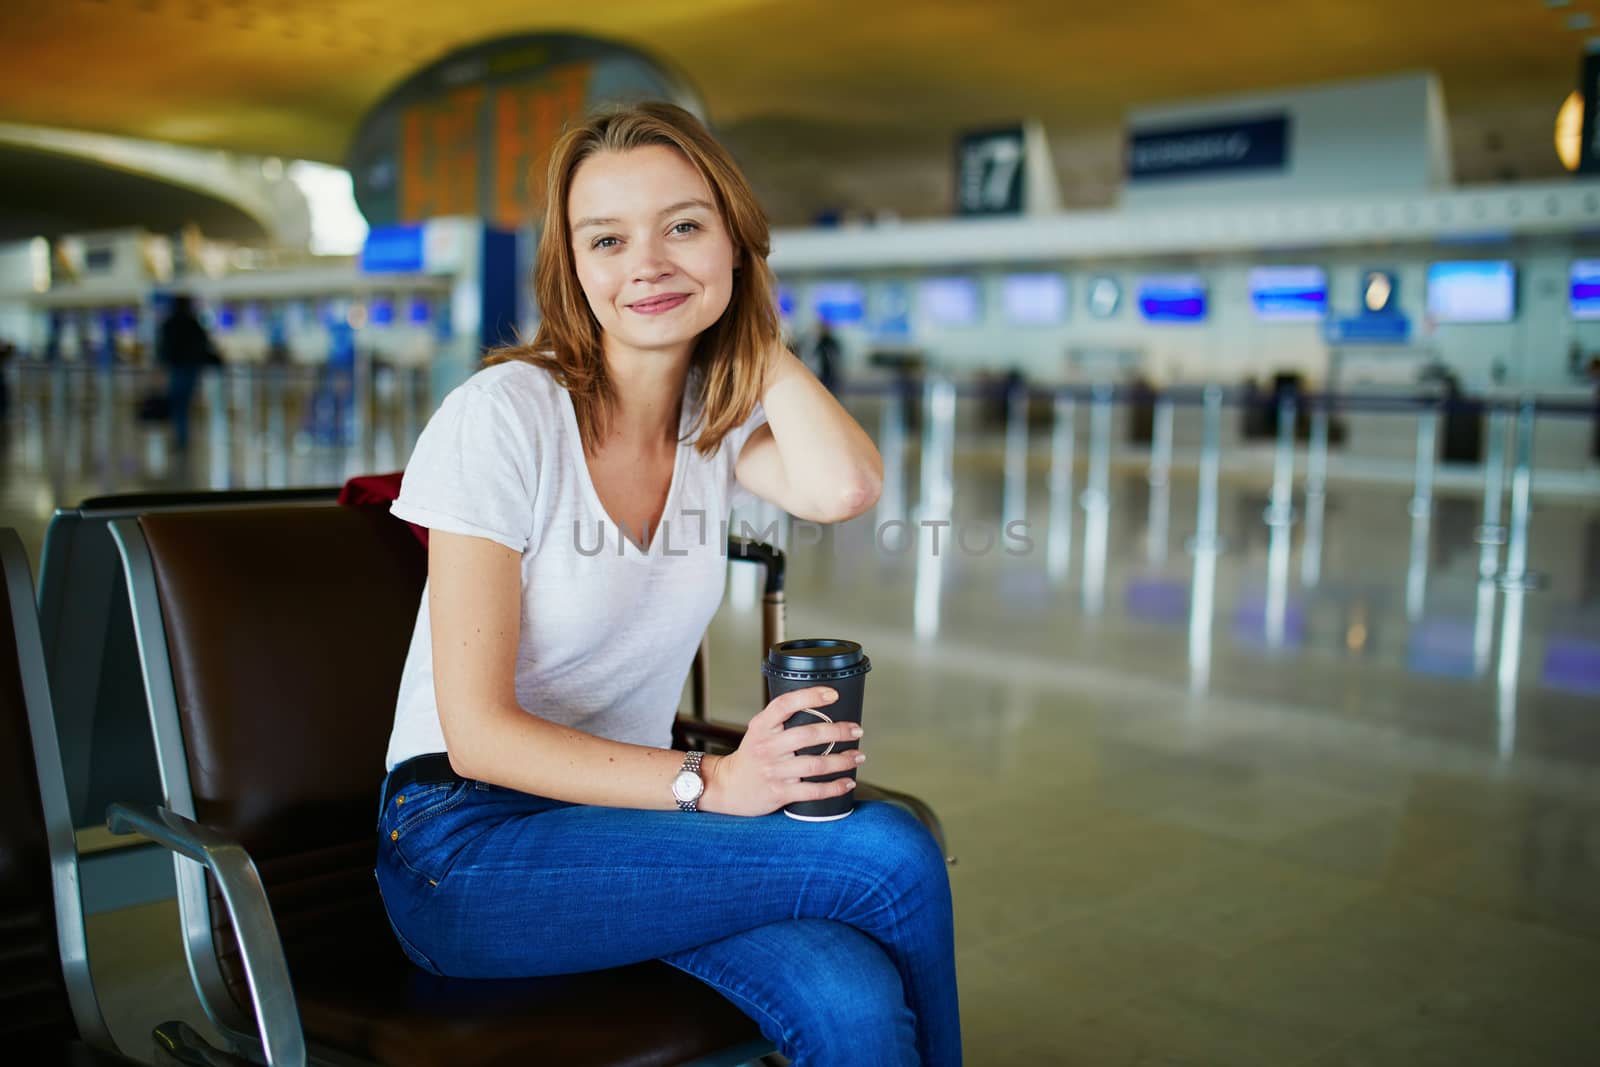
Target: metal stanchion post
{"type": "Point", "coordinates": [1160, 479]}
{"type": "Point", "coordinates": [35, 383]}
{"type": "Point", "coordinates": [1483, 626]}
{"type": "Point", "coordinates": [1014, 505]}
{"type": "Point", "coordinates": [1316, 495]}
{"type": "Point", "coordinates": [935, 507]}
{"type": "Point", "coordinates": [892, 445]}
{"type": "Point", "coordinates": [277, 445]}
{"type": "Point", "coordinates": [1507, 671]}
{"type": "Point", "coordinates": [1280, 508]}
{"type": "Point", "coordinates": [1491, 533]}
{"type": "Point", "coordinates": [1205, 536]}
{"type": "Point", "coordinates": [218, 422]}
{"type": "Point", "coordinates": [1516, 574]}
{"type": "Point", "coordinates": [1097, 500]}
{"type": "Point", "coordinates": [405, 381]}
{"type": "Point", "coordinates": [1205, 545]}
{"type": "Point", "coordinates": [1421, 508]}
{"type": "Point", "coordinates": [251, 457]}
{"type": "Point", "coordinates": [1280, 517]}
{"type": "Point", "coordinates": [105, 413]}
{"type": "Point", "coordinates": [938, 449]}
{"type": "Point", "coordinates": [1058, 545]}
{"type": "Point", "coordinates": [1427, 460]}
{"type": "Point", "coordinates": [359, 459]}
{"type": "Point", "coordinates": [56, 452]}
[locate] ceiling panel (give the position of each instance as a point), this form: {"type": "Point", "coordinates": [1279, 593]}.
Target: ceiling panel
{"type": "Point", "coordinates": [835, 83]}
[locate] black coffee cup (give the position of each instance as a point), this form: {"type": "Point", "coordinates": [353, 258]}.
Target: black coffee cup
{"type": "Point", "coordinates": [842, 667]}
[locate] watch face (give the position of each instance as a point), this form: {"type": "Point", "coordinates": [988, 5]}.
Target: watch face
{"type": "Point", "coordinates": [687, 786]}
{"type": "Point", "coordinates": [1104, 296]}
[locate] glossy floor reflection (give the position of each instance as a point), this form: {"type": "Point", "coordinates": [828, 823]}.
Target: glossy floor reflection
{"type": "Point", "coordinates": [1241, 806]}
{"type": "Point", "coordinates": [1358, 826]}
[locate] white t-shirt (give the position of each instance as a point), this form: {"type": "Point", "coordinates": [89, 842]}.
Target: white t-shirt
{"type": "Point", "coordinates": [608, 630]}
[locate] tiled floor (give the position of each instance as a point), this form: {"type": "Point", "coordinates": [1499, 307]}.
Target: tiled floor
{"type": "Point", "coordinates": [1181, 839]}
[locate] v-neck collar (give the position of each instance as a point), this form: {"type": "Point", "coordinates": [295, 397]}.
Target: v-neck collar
{"type": "Point", "coordinates": [569, 413]}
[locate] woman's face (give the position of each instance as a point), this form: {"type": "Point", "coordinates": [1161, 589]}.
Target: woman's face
{"type": "Point", "coordinates": [653, 256]}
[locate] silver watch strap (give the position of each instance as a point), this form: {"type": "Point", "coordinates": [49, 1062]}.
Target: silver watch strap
{"type": "Point", "coordinates": [691, 763]}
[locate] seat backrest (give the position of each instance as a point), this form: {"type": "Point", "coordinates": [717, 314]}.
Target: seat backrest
{"type": "Point", "coordinates": [41, 919]}
{"type": "Point", "coordinates": [287, 629]}
{"type": "Point", "coordinates": [101, 718]}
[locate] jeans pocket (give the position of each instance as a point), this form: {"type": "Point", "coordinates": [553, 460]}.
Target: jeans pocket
{"type": "Point", "coordinates": [411, 828]}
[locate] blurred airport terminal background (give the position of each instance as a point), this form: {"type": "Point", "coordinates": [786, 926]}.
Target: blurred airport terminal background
{"type": "Point", "coordinates": [1234, 595]}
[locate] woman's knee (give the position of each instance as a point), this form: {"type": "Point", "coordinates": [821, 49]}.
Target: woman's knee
{"type": "Point", "coordinates": [848, 1006]}
{"type": "Point", "coordinates": [890, 843]}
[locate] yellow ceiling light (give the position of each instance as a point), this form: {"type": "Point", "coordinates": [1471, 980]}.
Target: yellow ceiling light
{"type": "Point", "coordinates": [1569, 130]}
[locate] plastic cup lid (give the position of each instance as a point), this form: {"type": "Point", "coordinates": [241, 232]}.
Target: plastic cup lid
{"type": "Point", "coordinates": [814, 655]}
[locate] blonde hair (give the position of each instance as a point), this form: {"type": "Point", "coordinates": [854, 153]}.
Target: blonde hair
{"type": "Point", "coordinates": [726, 367]}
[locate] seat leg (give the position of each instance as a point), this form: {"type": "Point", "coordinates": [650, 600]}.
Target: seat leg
{"type": "Point", "coordinates": [177, 1044]}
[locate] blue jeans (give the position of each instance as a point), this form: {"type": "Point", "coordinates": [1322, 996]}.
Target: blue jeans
{"type": "Point", "coordinates": [834, 937]}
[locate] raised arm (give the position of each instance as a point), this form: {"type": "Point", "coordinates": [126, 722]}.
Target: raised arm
{"type": "Point", "coordinates": [474, 602]}
{"type": "Point", "coordinates": [811, 458]}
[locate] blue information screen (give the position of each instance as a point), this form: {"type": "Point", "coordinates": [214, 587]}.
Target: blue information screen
{"type": "Point", "coordinates": [1472, 291]}
{"type": "Point", "coordinates": [392, 250]}
{"type": "Point", "coordinates": [1289, 294]}
{"type": "Point", "coordinates": [838, 303]}
{"type": "Point", "coordinates": [1173, 298]}
{"type": "Point", "coordinates": [1034, 299]}
{"type": "Point", "coordinates": [1584, 297]}
{"type": "Point", "coordinates": [950, 301]}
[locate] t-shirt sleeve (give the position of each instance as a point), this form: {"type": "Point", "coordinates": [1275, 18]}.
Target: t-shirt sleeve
{"type": "Point", "coordinates": [474, 470]}
{"type": "Point", "coordinates": [738, 495]}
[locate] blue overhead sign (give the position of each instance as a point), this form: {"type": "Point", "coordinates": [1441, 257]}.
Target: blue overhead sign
{"type": "Point", "coordinates": [1216, 148]}
{"type": "Point", "coordinates": [1390, 328]}
{"type": "Point", "coordinates": [393, 250]}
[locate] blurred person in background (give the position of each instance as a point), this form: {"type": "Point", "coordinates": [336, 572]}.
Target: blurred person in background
{"type": "Point", "coordinates": [825, 353]}
{"type": "Point", "coordinates": [184, 347]}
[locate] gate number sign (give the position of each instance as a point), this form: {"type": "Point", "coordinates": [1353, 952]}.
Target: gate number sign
{"type": "Point", "coordinates": [989, 172]}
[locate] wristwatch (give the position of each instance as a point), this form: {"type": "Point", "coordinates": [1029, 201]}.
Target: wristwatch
{"type": "Point", "coordinates": [688, 786]}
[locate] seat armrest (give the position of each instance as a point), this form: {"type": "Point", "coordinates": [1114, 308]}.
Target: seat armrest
{"type": "Point", "coordinates": [266, 970]}
{"type": "Point", "coordinates": [707, 735]}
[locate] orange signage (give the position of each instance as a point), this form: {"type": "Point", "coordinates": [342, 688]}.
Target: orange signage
{"type": "Point", "coordinates": [439, 156]}
{"type": "Point", "coordinates": [527, 121]}
{"type": "Point", "coordinates": [442, 146]}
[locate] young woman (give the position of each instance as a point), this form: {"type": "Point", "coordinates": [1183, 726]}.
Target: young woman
{"type": "Point", "coordinates": [536, 820]}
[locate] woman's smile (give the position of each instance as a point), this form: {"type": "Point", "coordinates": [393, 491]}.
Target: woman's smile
{"type": "Point", "coordinates": [659, 304]}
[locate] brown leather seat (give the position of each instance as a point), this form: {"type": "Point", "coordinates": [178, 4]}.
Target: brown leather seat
{"type": "Point", "coordinates": [38, 1020]}
{"type": "Point", "coordinates": [287, 629]}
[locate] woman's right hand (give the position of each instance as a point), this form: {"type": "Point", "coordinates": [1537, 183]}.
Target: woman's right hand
{"type": "Point", "coordinates": [765, 773]}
